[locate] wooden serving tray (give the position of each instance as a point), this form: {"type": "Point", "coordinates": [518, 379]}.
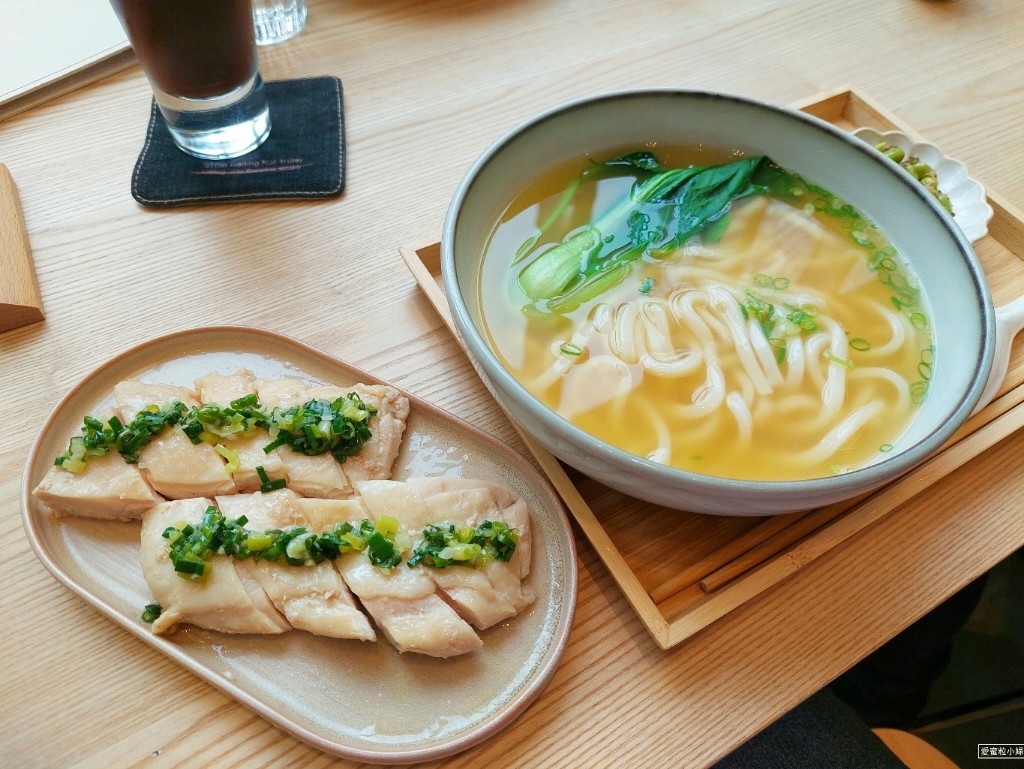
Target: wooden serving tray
{"type": "Point", "coordinates": [682, 571]}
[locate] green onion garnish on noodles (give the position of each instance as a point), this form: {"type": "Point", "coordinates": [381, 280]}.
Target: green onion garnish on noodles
{"type": "Point", "coordinates": [568, 348]}
{"type": "Point", "coordinates": [859, 344]}
{"type": "Point", "coordinates": [839, 361]}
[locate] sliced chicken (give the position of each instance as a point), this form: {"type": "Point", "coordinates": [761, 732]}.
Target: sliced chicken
{"type": "Point", "coordinates": [222, 390]}
{"type": "Point", "coordinates": [406, 607]}
{"type": "Point", "coordinates": [322, 514]}
{"type": "Point", "coordinates": [109, 488]}
{"type": "Point", "coordinates": [378, 454]}
{"type": "Point", "coordinates": [312, 597]}
{"type": "Point", "coordinates": [311, 476]}
{"type": "Point", "coordinates": [404, 602]}
{"type": "Point", "coordinates": [483, 595]}
{"type": "Point", "coordinates": [173, 465]}
{"type": "Point", "coordinates": [473, 502]}
{"type": "Point", "coordinates": [225, 599]}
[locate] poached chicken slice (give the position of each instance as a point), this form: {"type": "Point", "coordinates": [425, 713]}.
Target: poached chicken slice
{"type": "Point", "coordinates": [226, 599]}
{"type": "Point", "coordinates": [405, 605]}
{"type": "Point", "coordinates": [312, 597]}
{"type": "Point", "coordinates": [310, 476]}
{"type": "Point", "coordinates": [486, 595]}
{"type": "Point", "coordinates": [173, 465]}
{"type": "Point", "coordinates": [222, 389]}
{"type": "Point", "coordinates": [472, 502]}
{"type": "Point", "coordinates": [403, 602]}
{"type": "Point", "coordinates": [108, 488]}
{"type": "Point", "coordinates": [378, 455]}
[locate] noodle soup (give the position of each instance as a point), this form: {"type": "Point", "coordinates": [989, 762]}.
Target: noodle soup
{"type": "Point", "coordinates": [778, 338]}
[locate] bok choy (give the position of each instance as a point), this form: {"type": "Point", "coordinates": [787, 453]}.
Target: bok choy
{"type": "Point", "coordinates": [664, 208]}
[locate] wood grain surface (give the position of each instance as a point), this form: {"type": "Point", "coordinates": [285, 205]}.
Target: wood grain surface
{"type": "Point", "coordinates": [428, 86]}
{"type": "Point", "coordinates": [19, 293]}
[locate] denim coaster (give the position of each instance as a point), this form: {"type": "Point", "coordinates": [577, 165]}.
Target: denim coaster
{"type": "Point", "coordinates": [304, 156]}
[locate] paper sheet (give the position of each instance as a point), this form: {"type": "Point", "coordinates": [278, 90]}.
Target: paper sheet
{"type": "Point", "coordinates": [48, 47]}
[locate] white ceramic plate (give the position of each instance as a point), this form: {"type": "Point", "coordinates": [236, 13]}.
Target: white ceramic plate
{"type": "Point", "coordinates": [971, 210]}
{"type": "Point", "coordinates": [362, 701]}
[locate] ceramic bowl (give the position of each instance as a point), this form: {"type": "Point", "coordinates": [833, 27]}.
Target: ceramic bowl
{"type": "Point", "coordinates": [971, 210]}
{"type": "Point", "coordinates": [951, 278]}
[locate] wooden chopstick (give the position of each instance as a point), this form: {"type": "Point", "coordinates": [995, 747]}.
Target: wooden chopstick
{"type": "Point", "coordinates": [772, 546]}
{"type": "Point", "coordinates": [731, 550]}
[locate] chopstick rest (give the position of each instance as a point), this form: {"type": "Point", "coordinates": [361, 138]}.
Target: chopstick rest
{"type": "Point", "coordinates": [19, 294]}
{"type": "Point", "coordinates": [303, 158]}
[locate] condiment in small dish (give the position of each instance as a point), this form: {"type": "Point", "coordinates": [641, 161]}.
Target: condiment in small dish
{"type": "Point", "coordinates": [970, 208]}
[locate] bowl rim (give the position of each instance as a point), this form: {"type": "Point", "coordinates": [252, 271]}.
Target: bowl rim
{"type": "Point", "coordinates": [561, 429]}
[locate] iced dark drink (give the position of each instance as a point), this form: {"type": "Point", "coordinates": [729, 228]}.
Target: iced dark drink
{"type": "Point", "coordinates": [200, 58]}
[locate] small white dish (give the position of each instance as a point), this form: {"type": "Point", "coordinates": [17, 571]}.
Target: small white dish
{"type": "Point", "coordinates": [971, 210]}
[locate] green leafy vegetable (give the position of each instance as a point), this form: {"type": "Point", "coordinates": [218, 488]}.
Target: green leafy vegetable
{"type": "Point", "coordinates": [664, 209]}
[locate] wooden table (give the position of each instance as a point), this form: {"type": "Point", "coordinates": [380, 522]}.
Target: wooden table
{"type": "Point", "coordinates": [428, 86]}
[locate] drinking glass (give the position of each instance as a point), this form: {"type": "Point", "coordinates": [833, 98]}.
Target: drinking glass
{"type": "Point", "coordinates": [277, 20]}
{"type": "Point", "coordinates": [200, 59]}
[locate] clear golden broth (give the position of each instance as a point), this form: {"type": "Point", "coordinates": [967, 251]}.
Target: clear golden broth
{"type": "Point", "coordinates": [774, 435]}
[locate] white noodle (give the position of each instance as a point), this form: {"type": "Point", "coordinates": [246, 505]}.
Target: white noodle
{"type": "Point", "coordinates": [602, 317]}
{"type": "Point", "coordinates": [725, 303]}
{"type": "Point", "coordinates": [765, 353]}
{"type": "Point", "coordinates": [841, 434]}
{"type": "Point", "coordinates": [744, 421]}
{"type": "Point", "coordinates": [899, 324]}
{"type": "Point", "coordinates": [815, 362]}
{"type": "Point", "coordinates": [794, 362]}
{"type": "Point", "coordinates": [655, 323]}
{"type": "Point", "coordinates": [682, 307]}
{"type": "Point", "coordinates": [674, 365]}
{"type": "Point", "coordinates": [891, 377]}
{"type": "Point", "coordinates": [833, 393]}
{"type": "Point", "coordinates": [624, 340]}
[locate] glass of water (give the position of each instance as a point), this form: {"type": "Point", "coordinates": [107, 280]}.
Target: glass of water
{"type": "Point", "coordinates": [277, 20]}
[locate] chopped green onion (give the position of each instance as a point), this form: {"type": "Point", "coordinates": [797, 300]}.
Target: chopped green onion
{"type": "Point", "coordinates": [860, 345]}
{"type": "Point", "coordinates": [647, 286]}
{"type": "Point", "coordinates": [152, 612]}
{"type": "Point", "coordinates": [443, 545]}
{"type": "Point", "coordinates": [767, 281]}
{"type": "Point", "coordinates": [231, 465]}
{"type": "Point", "coordinates": [840, 361]}
{"type": "Point", "coordinates": [98, 438]}
{"type": "Point", "coordinates": [339, 427]}
{"type": "Point", "coordinates": [570, 349]}
{"type": "Point", "coordinates": [382, 551]}
{"type": "Point", "coordinates": [191, 547]}
{"type": "Point", "coordinates": [267, 485]}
